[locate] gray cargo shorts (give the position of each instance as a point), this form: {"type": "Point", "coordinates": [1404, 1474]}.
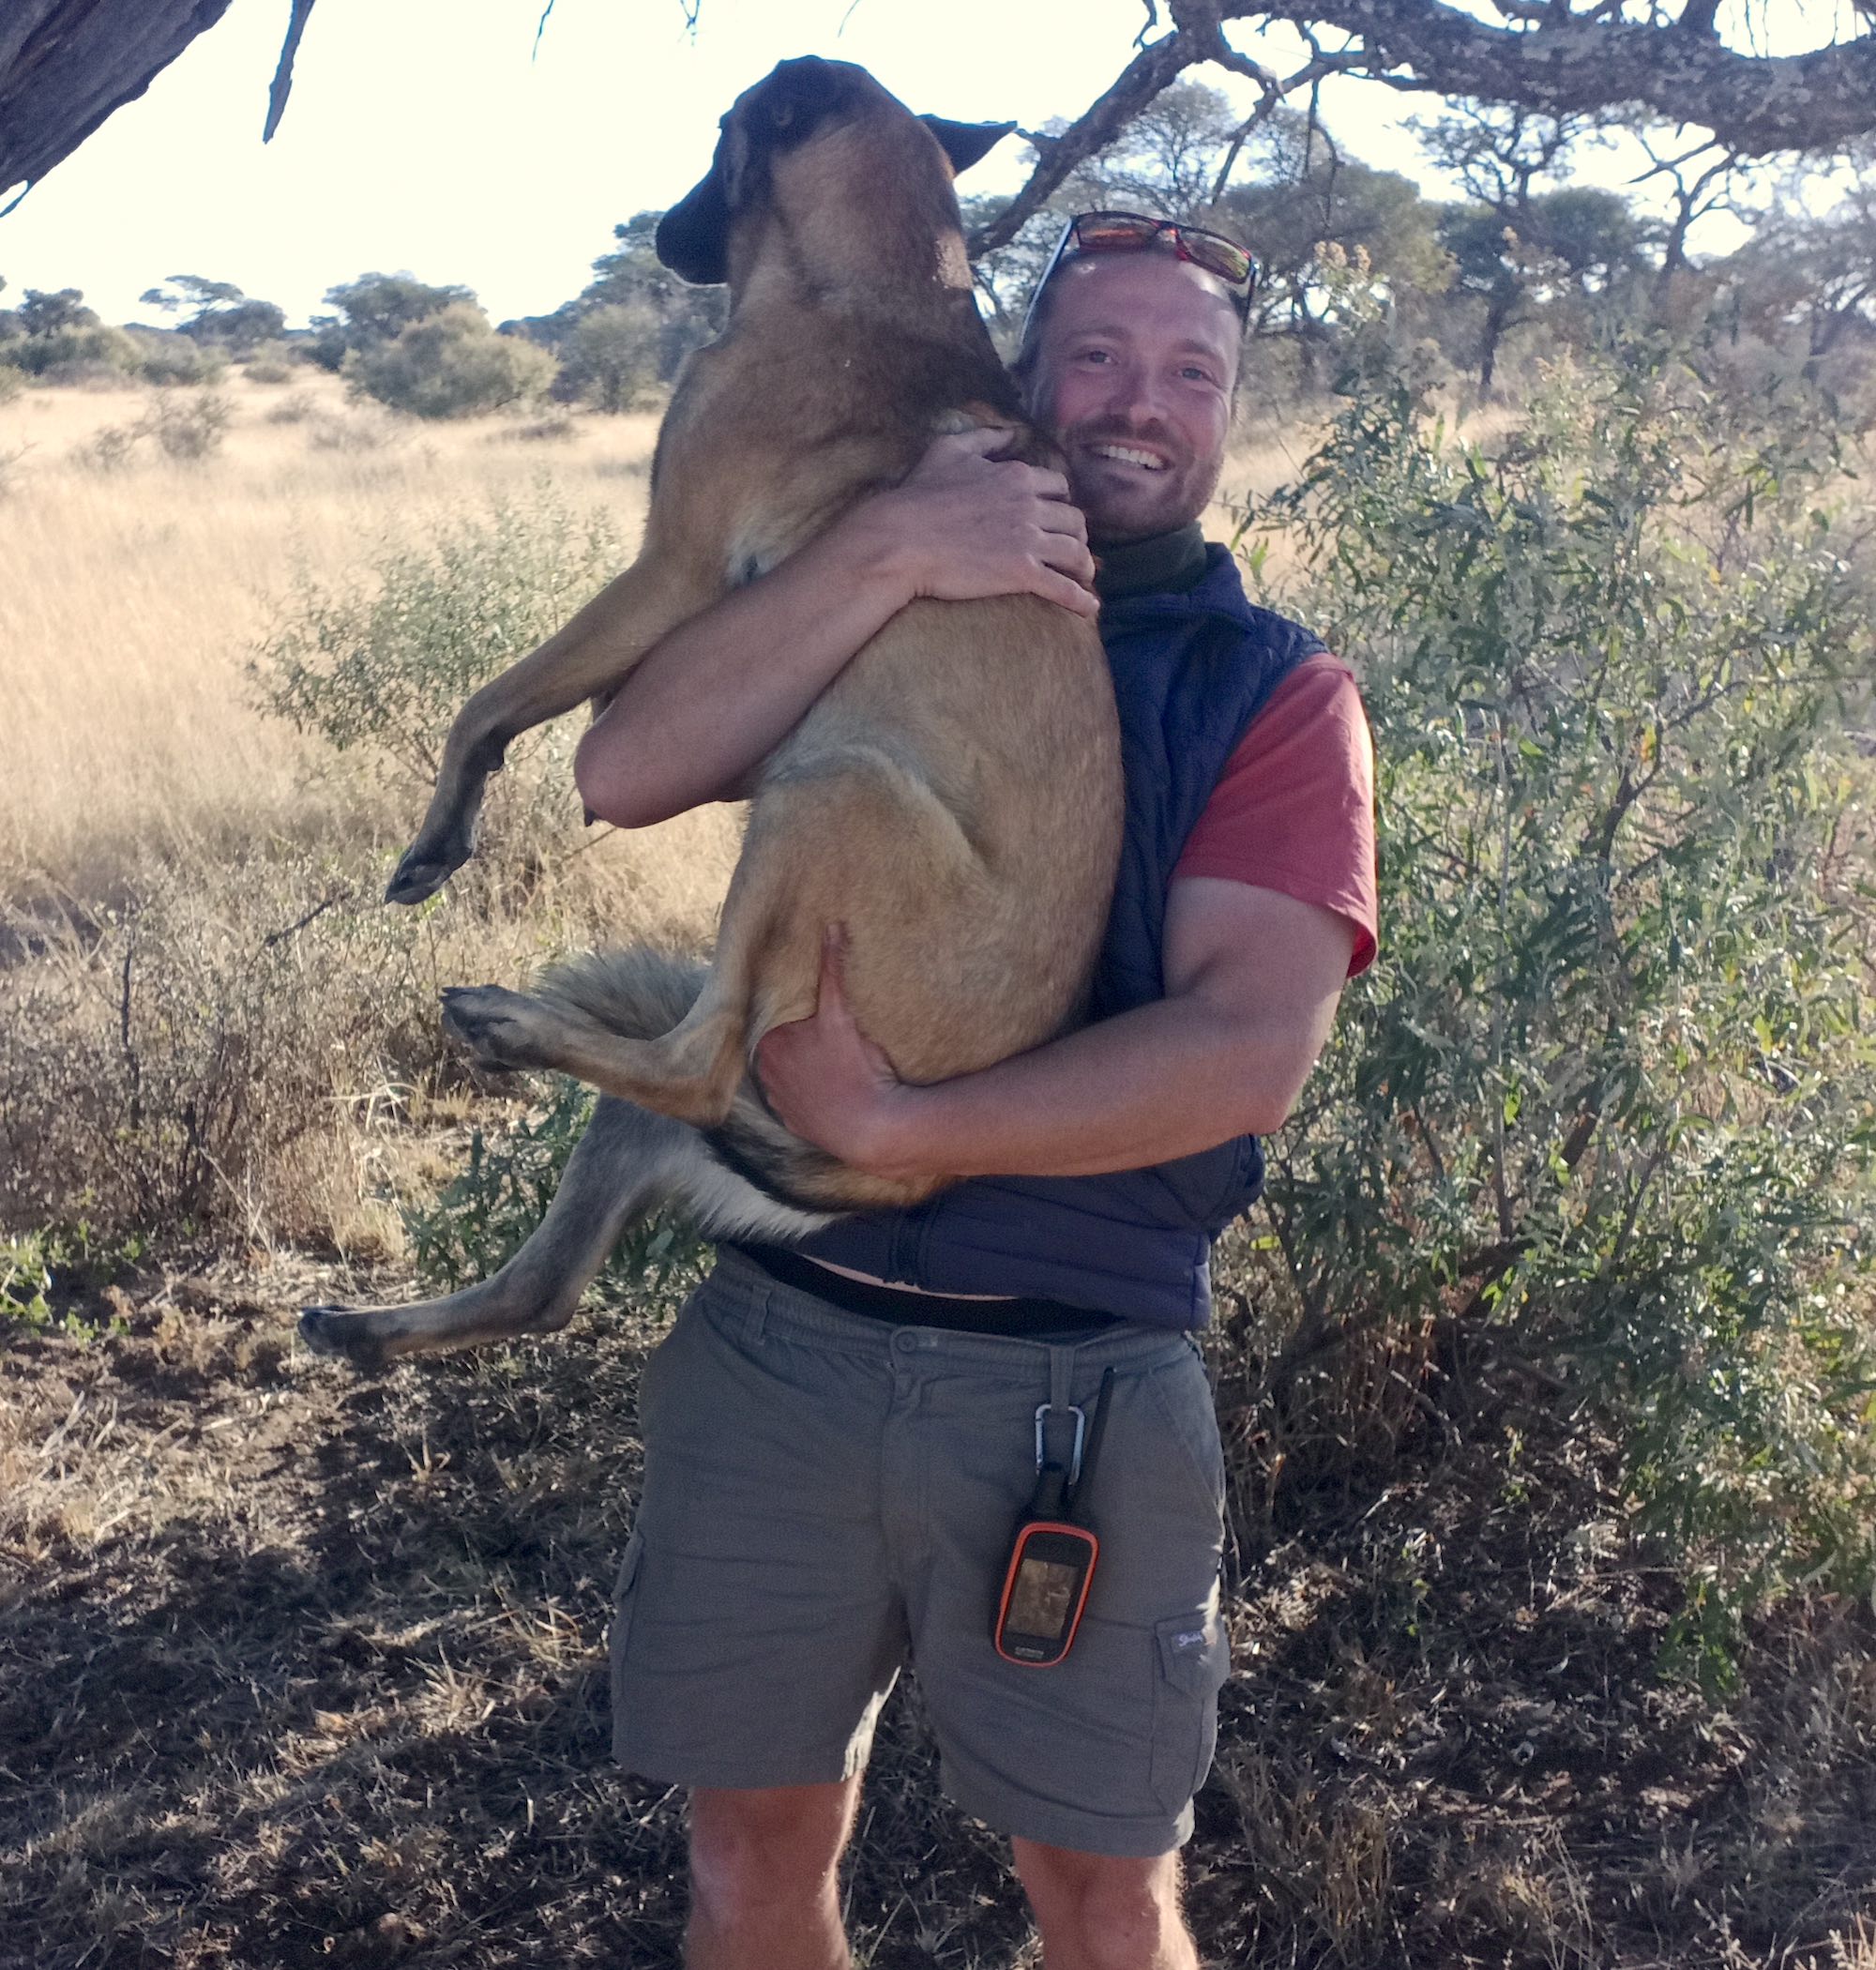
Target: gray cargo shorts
{"type": "Point", "coordinates": [828, 1497]}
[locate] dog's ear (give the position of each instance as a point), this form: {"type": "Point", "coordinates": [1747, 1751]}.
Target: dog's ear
{"type": "Point", "coordinates": [965, 143]}
{"type": "Point", "coordinates": [693, 237]}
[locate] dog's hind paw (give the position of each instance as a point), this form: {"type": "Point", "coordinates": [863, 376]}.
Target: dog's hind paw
{"type": "Point", "coordinates": [345, 1335]}
{"type": "Point", "coordinates": [504, 1030]}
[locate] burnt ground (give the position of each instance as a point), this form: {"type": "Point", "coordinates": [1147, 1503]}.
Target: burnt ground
{"type": "Point", "coordinates": [303, 1669]}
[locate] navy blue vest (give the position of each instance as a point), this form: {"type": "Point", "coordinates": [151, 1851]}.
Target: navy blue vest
{"type": "Point", "coordinates": [1190, 672]}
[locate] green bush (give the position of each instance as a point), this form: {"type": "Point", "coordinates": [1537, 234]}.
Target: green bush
{"type": "Point", "coordinates": [164, 359]}
{"type": "Point", "coordinates": [611, 358]}
{"type": "Point", "coordinates": [76, 354]}
{"type": "Point", "coordinates": [187, 426]}
{"type": "Point", "coordinates": [385, 661]}
{"type": "Point", "coordinates": [452, 364]}
{"type": "Point", "coordinates": [13, 381]}
{"type": "Point", "coordinates": [1609, 1088]}
{"type": "Point", "coordinates": [39, 1268]}
{"type": "Point", "coordinates": [109, 448]}
{"type": "Point", "coordinates": [484, 1215]}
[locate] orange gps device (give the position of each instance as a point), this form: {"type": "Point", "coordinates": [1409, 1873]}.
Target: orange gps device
{"type": "Point", "coordinates": [1052, 1555]}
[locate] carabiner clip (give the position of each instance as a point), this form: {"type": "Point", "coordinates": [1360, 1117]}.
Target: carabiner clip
{"type": "Point", "coordinates": [1042, 1414]}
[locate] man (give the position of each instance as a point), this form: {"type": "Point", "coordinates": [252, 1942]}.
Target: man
{"type": "Point", "coordinates": [840, 1438]}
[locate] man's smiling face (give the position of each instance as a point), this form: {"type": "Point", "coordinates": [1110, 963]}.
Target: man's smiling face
{"type": "Point", "coordinates": [1132, 373]}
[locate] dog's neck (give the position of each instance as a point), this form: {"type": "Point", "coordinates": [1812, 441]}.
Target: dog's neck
{"type": "Point", "coordinates": [928, 277]}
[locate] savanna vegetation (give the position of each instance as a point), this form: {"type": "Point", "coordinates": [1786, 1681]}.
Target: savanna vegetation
{"type": "Point", "coordinates": [1548, 1370]}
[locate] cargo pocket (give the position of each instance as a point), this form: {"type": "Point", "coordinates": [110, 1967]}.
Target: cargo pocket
{"type": "Point", "coordinates": [1192, 1660]}
{"type": "Point", "coordinates": [624, 1596]}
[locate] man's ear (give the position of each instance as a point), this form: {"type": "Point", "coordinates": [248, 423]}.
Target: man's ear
{"type": "Point", "coordinates": [693, 237]}
{"type": "Point", "coordinates": [965, 143]}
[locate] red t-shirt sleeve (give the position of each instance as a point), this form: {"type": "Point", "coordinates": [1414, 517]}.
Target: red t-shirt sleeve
{"type": "Point", "coordinates": [1293, 810]}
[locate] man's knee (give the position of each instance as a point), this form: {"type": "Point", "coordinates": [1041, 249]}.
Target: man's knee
{"type": "Point", "coordinates": [1102, 1912]}
{"type": "Point", "coordinates": [779, 1845]}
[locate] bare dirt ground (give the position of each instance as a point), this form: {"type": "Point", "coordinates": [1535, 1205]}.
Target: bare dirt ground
{"type": "Point", "coordinates": [305, 1670]}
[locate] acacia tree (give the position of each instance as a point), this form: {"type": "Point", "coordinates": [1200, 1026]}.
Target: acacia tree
{"type": "Point", "coordinates": [1666, 63]}
{"type": "Point", "coordinates": [376, 309]}
{"type": "Point", "coordinates": [1302, 193]}
{"type": "Point", "coordinates": [1517, 244]}
{"type": "Point", "coordinates": [1812, 271]}
{"type": "Point", "coordinates": [65, 65]}
{"type": "Point", "coordinates": [218, 311]}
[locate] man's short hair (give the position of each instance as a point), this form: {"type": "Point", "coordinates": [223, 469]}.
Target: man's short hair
{"type": "Point", "coordinates": [1023, 364]}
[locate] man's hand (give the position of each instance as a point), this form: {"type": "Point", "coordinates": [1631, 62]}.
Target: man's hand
{"type": "Point", "coordinates": [830, 1083]}
{"type": "Point", "coordinates": [967, 525]}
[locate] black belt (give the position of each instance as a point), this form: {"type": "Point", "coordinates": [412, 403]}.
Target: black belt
{"type": "Point", "coordinates": [1020, 1319]}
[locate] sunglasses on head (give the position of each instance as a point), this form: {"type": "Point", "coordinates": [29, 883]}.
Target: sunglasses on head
{"type": "Point", "coordinates": [1135, 233]}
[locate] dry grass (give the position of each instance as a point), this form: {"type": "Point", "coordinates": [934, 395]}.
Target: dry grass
{"type": "Point", "coordinates": [130, 599]}
{"type": "Point", "coordinates": [209, 980]}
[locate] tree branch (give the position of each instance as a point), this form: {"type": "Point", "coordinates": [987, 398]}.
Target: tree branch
{"type": "Point", "coordinates": [1562, 65]}
{"type": "Point", "coordinates": [284, 72]}
{"type": "Point", "coordinates": [1157, 65]}
{"type": "Point", "coordinates": [1580, 65]}
{"type": "Point", "coordinates": [65, 68]}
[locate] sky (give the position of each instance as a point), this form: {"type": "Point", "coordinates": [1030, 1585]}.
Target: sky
{"type": "Point", "coordinates": [434, 135]}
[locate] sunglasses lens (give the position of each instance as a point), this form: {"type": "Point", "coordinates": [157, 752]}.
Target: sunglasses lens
{"type": "Point", "coordinates": [1128, 232]}
{"type": "Point", "coordinates": [1218, 256]}
{"type": "Point", "coordinates": [1113, 232]}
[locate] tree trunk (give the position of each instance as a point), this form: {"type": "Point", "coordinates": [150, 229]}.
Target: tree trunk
{"type": "Point", "coordinates": [1497, 320]}
{"type": "Point", "coordinates": [65, 65]}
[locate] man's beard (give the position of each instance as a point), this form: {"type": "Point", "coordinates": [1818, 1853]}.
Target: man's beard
{"type": "Point", "coordinates": [1134, 502]}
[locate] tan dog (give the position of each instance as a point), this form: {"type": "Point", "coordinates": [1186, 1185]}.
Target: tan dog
{"type": "Point", "coordinates": [953, 798]}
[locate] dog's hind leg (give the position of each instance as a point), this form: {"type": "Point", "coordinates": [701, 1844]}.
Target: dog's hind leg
{"type": "Point", "coordinates": [795, 880]}
{"type": "Point", "coordinates": [626, 1164]}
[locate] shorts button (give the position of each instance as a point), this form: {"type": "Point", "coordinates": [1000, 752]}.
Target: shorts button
{"type": "Point", "coordinates": [905, 1342]}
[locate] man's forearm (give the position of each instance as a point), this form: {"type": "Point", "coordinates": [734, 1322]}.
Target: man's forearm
{"type": "Point", "coordinates": [712, 700]}
{"type": "Point", "coordinates": [1164, 1080]}
{"type": "Point", "coordinates": [1253, 978]}
{"type": "Point", "coordinates": [707, 705]}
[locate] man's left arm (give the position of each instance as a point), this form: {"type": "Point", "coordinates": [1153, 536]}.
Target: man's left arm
{"type": "Point", "coordinates": [1253, 981]}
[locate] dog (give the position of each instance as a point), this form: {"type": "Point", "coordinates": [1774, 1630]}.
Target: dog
{"type": "Point", "coordinates": [953, 798]}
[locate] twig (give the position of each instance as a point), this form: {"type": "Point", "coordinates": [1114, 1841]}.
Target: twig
{"type": "Point", "coordinates": [132, 1065]}
{"type": "Point", "coordinates": [318, 910]}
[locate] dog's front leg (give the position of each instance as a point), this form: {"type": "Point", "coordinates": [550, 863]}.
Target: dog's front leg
{"type": "Point", "coordinates": [592, 655]}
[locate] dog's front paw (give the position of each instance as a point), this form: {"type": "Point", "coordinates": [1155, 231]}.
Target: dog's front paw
{"type": "Point", "coordinates": [502, 1030]}
{"type": "Point", "coordinates": [428, 862]}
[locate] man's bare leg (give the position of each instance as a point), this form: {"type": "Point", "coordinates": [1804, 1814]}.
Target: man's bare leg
{"type": "Point", "coordinates": [764, 1878]}
{"type": "Point", "coordinates": [1097, 1912]}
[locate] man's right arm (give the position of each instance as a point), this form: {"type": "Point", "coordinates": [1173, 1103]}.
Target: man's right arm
{"type": "Point", "coordinates": [711, 701]}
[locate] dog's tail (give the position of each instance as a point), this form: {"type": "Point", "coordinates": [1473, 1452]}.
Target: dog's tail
{"type": "Point", "coordinates": [642, 993]}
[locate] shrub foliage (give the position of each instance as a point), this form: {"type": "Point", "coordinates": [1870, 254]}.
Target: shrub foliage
{"type": "Point", "coordinates": [1609, 1088]}
{"type": "Point", "coordinates": [387, 661]}
{"type": "Point", "coordinates": [451, 365]}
